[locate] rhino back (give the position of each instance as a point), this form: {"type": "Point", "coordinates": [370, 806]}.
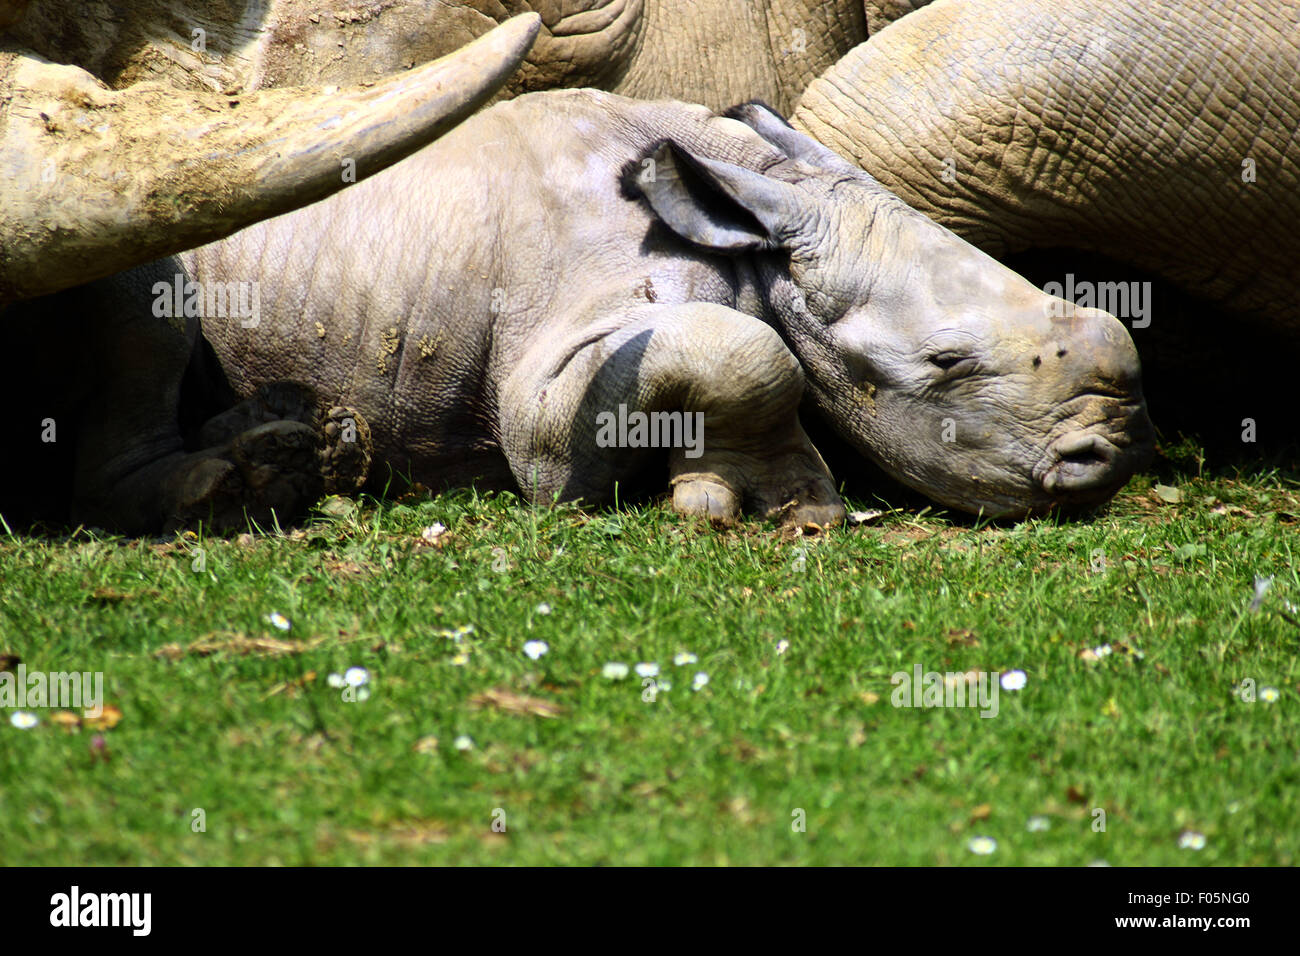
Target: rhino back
{"type": "Point", "coordinates": [411, 294]}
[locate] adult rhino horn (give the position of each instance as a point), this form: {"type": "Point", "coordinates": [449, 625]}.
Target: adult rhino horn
{"type": "Point", "coordinates": [94, 181]}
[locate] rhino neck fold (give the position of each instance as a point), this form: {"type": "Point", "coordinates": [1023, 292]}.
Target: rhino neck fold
{"type": "Point", "coordinates": [809, 338]}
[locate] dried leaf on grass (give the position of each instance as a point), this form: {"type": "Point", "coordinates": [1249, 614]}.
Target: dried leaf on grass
{"type": "Point", "coordinates": [292, 686]}
{"type": "Point", "coordinates": [113, 596]}
{"type": "Point", "coordinates": [1168, 494]}
{"type": "Point", "coordinates": [234, 642]}
{"type": "Point", "coordinates": [109, 717]}
{"type": "Point", "coordinates": [508, 702]}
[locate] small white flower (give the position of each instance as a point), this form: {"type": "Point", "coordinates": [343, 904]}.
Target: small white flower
{"type": "Point", "coordinates": [543, 608]}
{"type": "Point", "coordinates": [647, 669]}
{"type": "Point", "coordinates": [356, 676]}
{"type": "Point", "coordinates": [1103, 651]}
{"type": "Point", "coordinates": [1013, 680]}
{"type": "Point", "coordinates": [982, 845]}
{"type": "Point", "coordinates": [336, 680]}
{"type": "Point", "coordinates": [279, 620]}
{"type": "Point", "coordinates": [684, 658]}
{"type": "Point", "coordinates": [463, 742]}
{"type": "Point", "coordinates": [1269, 695]}
{"type": "Point", "coordinates": [23, 720]}
{"type": "Point", "coordinates": [782, 646]}
{"type": "Point", "coordinates": [663, 684]}
{"type": "Point", "coordinates": [700, 680]}
{"type": "Point", "coordinates": [1038, 824]}
{"type": "Point", "coordinates": [435, 531]}
{"type": "Point", "coordinates": [536, 649]}
{"type": "Point", "coordinates": [614, 670]}
{"type": "Point", "coordinates": [362, 693]}
{"type": "Point", "coordinates": [1191, 840]}
{"type": "Point", "coordinates": [1261, 588]}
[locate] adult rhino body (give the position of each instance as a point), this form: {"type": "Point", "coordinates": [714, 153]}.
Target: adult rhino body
{"type": "Point", "coordinates": [1161, 135]}
{"type": "Point", "coordinates": [714, 52]}
{"type": "Point", "coordinates": [568, 256]}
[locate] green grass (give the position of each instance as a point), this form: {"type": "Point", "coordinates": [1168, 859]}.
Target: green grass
{"type": "Point", "coordinates": [288, 772]}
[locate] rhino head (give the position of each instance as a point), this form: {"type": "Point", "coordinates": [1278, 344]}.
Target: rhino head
{"type": "Point", "coordinates": [953, 373]}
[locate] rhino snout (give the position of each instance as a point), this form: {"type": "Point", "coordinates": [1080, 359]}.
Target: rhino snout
{"type": "Point", "coordinates": [1086, 467]}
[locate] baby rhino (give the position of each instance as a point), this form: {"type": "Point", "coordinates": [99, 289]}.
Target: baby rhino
{"type": "Point", "coordinates": [573, 293]}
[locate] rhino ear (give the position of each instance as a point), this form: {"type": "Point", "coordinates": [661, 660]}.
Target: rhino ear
{"type": "Point", "coordinates": [714, 204]}
{"type": "Point", "coordinates": [774, 128]}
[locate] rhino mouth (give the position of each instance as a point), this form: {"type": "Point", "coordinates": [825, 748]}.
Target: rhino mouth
{"type": "Point", "coordinates": [1085, 467]}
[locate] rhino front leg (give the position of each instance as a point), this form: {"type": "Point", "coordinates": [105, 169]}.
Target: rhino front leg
{"type": "Point", "coordinates": [569, 416]}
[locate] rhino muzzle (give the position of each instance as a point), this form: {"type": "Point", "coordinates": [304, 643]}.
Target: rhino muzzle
{"type": "Point", "coordinates": [1085, 467]}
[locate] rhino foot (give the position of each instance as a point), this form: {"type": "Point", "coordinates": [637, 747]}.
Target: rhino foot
{"type": "Point", "coordinates": [273, 402]}
{"type": "Point", "coordinates": [792, 486]}
{"type": "Point", "coordinates": [267, 473]}
{"type": "Point", "coordinates": [706, 496]}
{"type": "Point", "coordinates": [347, 451]}
{"type": "Point", "coordinates": [813, 501]}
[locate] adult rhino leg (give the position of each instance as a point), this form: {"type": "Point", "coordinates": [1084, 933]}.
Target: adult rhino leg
{"type": "Point", "coordinates": [728, 373]}
{"type": "Point", "coordinates": [132, 472]}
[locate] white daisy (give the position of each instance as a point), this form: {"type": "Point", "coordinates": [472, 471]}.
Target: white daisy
{"type": "Point", "coordinates": [23, 720]}
{"type": "Point", "coordinates": [463, 742]}
{"type": "Point", "coordinates": [278, 620]}
{"type": "Point", "coordinates": [1038, 824]}
{"type": "Point", "coordinates": [614, 670]}
{"type": "Point", "coordinates": [782, 646]}
{"type": "Point", "coordinates": [982, 845]}
{"type": "Point", "coordinates": [536, 649]}
{"type": "Point", "coordinates": [356, 676]}
{"type": "Point", "coordinates": [336, 680]}
{"type": "Point", "coordinates": [543, 608]}
{"type": "Point", "coordinates": [700, 680]}
{"type": "Point", "coordinates": [1014, 680]}
{"type": "Point", "coordinates": [647, 669]}
{"type": "Point", "coordinates": [1191, 840]}
{"type": "Point", "coordinates": [684, 658]}
{"type": "Point", "coordinates": [1269, 695]}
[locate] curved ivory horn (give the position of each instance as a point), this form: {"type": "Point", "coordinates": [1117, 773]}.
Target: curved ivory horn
{"type": "Point", "coordinates": [94, 181]}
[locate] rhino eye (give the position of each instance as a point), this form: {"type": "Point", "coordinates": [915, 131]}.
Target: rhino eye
{"type": "Point", "coordinates": [947, 360]}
